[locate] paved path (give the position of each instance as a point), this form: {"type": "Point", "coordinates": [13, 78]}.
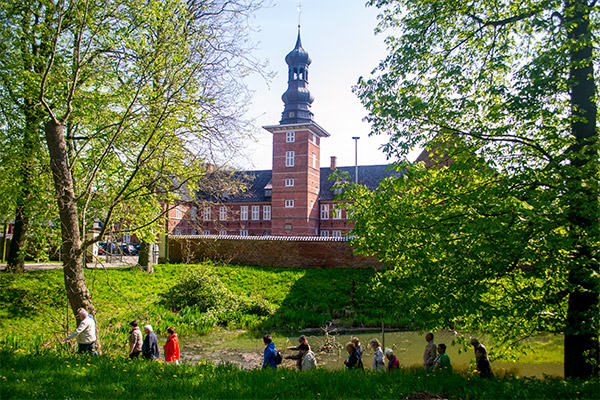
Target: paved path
{"type": "Point", "coordinates": [125, 261]}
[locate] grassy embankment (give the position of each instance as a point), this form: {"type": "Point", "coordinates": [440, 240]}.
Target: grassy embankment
{"type": "Point", "coordinates": [34, 309]}
{"type": "Point", "coordinates": [30, 376]}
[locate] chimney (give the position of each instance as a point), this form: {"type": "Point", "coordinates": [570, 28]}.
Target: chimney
{"type": "Point", "coordinates": [333, 163]}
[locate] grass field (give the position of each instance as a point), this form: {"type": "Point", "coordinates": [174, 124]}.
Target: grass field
{"type": "Point", "coordinates": [50, 376]}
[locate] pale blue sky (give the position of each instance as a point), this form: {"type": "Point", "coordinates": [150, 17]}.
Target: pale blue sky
{"type": "Point", "coordinates": [338, 35]}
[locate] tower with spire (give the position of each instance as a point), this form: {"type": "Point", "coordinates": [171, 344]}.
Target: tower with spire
{"type": "Point", "coordinates": [296, 154]}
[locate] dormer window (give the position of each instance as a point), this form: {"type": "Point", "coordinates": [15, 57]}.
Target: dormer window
{"type": "Point", "coordinates": [268, 192]}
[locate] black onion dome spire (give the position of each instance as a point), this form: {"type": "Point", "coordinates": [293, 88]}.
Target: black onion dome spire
{"type": "Point", "coordinates": [297, 99]}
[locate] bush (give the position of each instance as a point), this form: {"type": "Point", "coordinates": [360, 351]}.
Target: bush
{"type": "Point", "coordinates": [201, 289]}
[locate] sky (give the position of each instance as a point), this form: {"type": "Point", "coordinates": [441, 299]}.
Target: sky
{"type": "Point", "coordinates": [339, 37]}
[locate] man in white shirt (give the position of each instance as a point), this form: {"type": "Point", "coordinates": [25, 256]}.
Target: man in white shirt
{"type": "Point", "coordinates": [430, 352]}
{"type": "Point", "coordinates": [85, 333]}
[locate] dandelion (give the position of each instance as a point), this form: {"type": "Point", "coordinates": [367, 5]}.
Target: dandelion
{"type": "Point", "coordinates": [174, 376]}
{"type": "Point", "coordinates": [201, 376]}
{"type": "Point", "coordinates": [124, 370]}
{"type": "Point", "coordinates": [68, 366]}
{"type": "Point", "coordinates": [283, 377]}
{"type": "Point", "coordinates": [137, 374]}
{"type": "Point", "coordinates": [88, 364]}
{"type": "Point", "coordinates": [24, 380]}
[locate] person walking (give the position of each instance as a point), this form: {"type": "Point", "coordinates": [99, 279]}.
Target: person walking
{"type": "Point", "coordinates": [442, 361]}
{"type": "Point", "coordinates": [171, 347]}
{"type": "Point", "coordinates": [150, 345]}
{"type": "Point", "coordinates": [305, 359]}
{"type": "Point", "coordinates": [135, 340]}
{"type": "Point", "coordinates": [270, 355]}
{"type": "Point", "coordinates": [482, 361]}
{"type": "Point", "coordinates": [353, 360]}
{"type": "Point", "coordinates": [85, 333]}
{"type": "Point", "coordinates": [378, 361]}
{"type": "Point", "coordinates": [359, 351]}
{"type": "Point", "coordinates": [429, 355]}
{"type": "Point", "coordinates": [393, 362]}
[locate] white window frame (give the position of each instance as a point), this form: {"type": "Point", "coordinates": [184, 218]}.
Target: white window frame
{"type": "Point", "coordinates": [290, 137]}
{"type": "Point", "coordinates": [127, 237]}
{"type": "Point", "coordinates": [289, 203]}
{"type": "Point", "coordinates": [194, 213]}
{"type": "Point", "coordinates": [244, 213]}
{"type": "Point", "coordinates": [314, 160]}
{"type": "Point", "coordinates": [337, 213]}
{"type": "Point", "coordinates": [289, 182]}
{"type": "Point", "coordinates": [289, 158]}
{"type": "Point", "coordinates": [206, 232]}
{"type": "Point", "coordinates": [194, 232]}
{"type": "Point", "coordinates": [223, 213]}
{"type": "Point", "coordinates": [243, 232]}
{"type": "Point", "coordinates": [336, 233]}
{"type": "Point", "coordinates": [178, 212]}
{"type": "Point", "coordinates": [324, 233]}
{"type": "Point", "coordinates": [267, 213]}
{"type": "Point", "coordinates": [255, 213]}
{"type": "Point", "coordinates": [206, 214]}
{"type": "Point", "coordinates": [223, 232]}
{"type": "Point", "coordinates": [324, 211]}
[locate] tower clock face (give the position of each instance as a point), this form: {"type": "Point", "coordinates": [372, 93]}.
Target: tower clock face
{"type": "Point", "coordinates": [291, 113]}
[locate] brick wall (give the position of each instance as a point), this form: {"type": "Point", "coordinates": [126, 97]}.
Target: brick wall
{"type": "Point", "coordinates": [272, 251]}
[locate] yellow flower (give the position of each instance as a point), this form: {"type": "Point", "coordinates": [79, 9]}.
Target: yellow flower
{"type": "Point", "coordinates": [200, 376]}
{"type": "Point", "coordinates": [24, 380]}
{"type": "Point", "coordinates": [283, 377]}
{"type": "Point", "coordinates": [68, 366]}
{"type": "Point", "coordinates": [174, 376]}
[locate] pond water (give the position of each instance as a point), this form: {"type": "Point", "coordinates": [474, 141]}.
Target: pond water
{"type": "Point", "coordinates": [245, 350]}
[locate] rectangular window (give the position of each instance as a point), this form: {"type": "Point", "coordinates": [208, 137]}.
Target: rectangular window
{"type": "Point", "coordinates": [194, 213]}
{"type": "Point", "coordinates": [336, 233]}
{"type": "Point", "coordinates": [289, 182]}
{"type": "Point", "coordinates": [337, 213]}
{"type": "Point", "coordinates": [127, 238]}
{"type": "Point", "coordinates": [314, 138]}
{"type": "Point", "coordinates": [207, 213]}
{"type": "Point", "coordinates": [194, 232]}
{"type": "Point", "coordinates": [223, 213]}
{"type": "Point", "coordinates": [255, 213]}
{"type": "Point", "coordinates": [324, 233]}
{"type": "Point", "coordinates": [178, 232]}
{"type": "Point", "coordinates": [314, 160]}
{"type": "Point", "coordinates": [267, 213]}
{"type": "Point", "coordinates": [243, 232]}
{"type": "Point", "coordinates": [206, 232]}
{"type": "Point", "coordinates": [244, 213]}
{"type": "Point", "coordinates": [223, 232]}
{"type": "Point", "coordinates": [289, 203]}
{"type": "Point", "coordinates": [289, 158]}
{"type": "Point", "coordinates": [290, 137]}
{"type": "Point", "coordinates": [325, 211]}
{"type": "Point", "coordinates": [178, 212]}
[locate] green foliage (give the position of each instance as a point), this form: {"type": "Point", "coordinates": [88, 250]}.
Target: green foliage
{"type": "Point", "coordinates": [31, 376]}
{"type": "Point", "coordinates": [499, 230]}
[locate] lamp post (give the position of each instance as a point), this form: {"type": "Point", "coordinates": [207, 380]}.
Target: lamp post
{"type": "Point", "coordinates": [356, 158]}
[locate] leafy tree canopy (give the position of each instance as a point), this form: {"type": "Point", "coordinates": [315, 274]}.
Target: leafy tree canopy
{"type": "Point", "coordinates": [498, 231]}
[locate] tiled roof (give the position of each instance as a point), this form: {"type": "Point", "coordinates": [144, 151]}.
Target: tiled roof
{"type": "Point", "coordinates": [257, 181]}
{"type": "Point", "coordinates": [368, 175]}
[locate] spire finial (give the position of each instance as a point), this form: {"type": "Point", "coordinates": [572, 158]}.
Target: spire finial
{"type": "Point", "coordinates": [299, 13]}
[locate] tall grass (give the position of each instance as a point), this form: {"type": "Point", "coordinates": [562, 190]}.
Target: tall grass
{"type": "Point", "coordinates": [33, 376]}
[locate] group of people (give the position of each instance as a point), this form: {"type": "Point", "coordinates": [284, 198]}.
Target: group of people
{"type": "Point", "coordinates": [434, 357]}
{"type": "Point", "coordinates": [147, 347]}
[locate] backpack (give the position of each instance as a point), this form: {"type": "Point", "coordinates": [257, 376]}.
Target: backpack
{"type": "Point", "coordinates": [278, 357]}
{"type": "Point", "coordinates": [309, 361]}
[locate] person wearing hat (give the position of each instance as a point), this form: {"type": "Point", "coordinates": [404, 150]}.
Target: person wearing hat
{"type": "Point", "coordinates": [150, 346]}
{"type": "Point", "coordinates": [135, 340]}
{"type": "Point", "coordinates": [302, 348]}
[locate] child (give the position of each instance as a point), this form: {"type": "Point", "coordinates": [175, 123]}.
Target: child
{"type": "Point", "coordinates": [378, 362]}
{"type": "Point", "coordinates": [359, 351]}
{"type": "Point", "coordinates": [172, 347]}
{"type": "Point", "coordinates": [483, 362]}
{"type": "Point", "coordinates": [442, 361]}
{"type": "Point", "coordinates": [353, 361]}
{"type": "Point", "coordinates": [270, 355]}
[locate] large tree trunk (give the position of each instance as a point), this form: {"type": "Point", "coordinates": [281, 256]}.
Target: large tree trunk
{"type": "Point", "coordinates": [72, 252]}
{"type": "Point", "coordinates": [145, 258]}
{"type": "Point", "coordinates": [15, 260]}
{"type": "Point", "coordinates": [581, 335]}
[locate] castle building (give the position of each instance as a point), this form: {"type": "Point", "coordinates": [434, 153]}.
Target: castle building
{"type": "Point", "coordinates": [295, 198]}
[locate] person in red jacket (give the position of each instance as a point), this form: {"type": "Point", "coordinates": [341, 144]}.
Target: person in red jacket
{"type": "Point", "coordinates": [172, 347]}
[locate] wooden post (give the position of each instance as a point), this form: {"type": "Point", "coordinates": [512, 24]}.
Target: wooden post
{"type": "Point", "coordinates": [382, 335]}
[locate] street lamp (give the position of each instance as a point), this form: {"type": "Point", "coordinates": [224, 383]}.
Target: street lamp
{"type": "Point", "coordinates": [356, 158]}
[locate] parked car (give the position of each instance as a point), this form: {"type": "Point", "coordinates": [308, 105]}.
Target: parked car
{"type": "Point", "coordinates": [129, 249]}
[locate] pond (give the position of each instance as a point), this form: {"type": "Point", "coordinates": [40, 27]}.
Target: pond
{"type": "Point", "coordinates": [246, 350]}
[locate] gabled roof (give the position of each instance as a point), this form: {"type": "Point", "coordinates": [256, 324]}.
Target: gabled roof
{"type": "Point", "coordinates": [257, 181]}
{"type": "Point", "coordinates": [368, 175]}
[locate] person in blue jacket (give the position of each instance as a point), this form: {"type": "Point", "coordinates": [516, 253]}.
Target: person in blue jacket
{"type": "Point", "coordinates": [150, 345]}
{"type": "Point", "coordinates": [270, 353]}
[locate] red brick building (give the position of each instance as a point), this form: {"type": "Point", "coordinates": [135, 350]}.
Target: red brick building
{"type": "Point", "coordinates": [295, 198]}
